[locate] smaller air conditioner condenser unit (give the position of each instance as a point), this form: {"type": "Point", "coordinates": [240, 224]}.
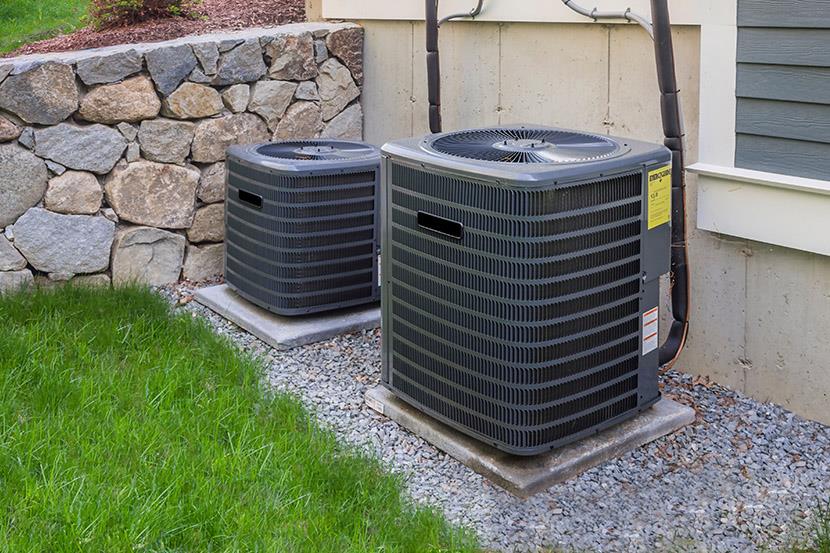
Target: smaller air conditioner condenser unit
{"type": "Point", "coordinates": [301, 224]}
{"type": "Point", "coordinates": [521, 274]}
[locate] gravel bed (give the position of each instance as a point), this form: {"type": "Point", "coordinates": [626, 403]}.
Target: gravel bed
{"type": "Point", "coordinates": [746, 476]}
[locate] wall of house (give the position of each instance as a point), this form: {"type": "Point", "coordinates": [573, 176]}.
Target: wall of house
{"type": "Point", "coordinates": [759, 312]}
{"type": "Point", "coordinates": [783, 123]}
{"type": "Point", "coordinates": [112, 160]}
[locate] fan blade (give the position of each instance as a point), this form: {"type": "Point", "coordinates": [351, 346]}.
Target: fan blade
{"type": "Point", "coordinates": [525, 145]}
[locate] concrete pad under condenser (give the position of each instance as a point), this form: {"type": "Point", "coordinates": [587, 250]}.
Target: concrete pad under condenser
{"type": "Point", "coordinates": [287, 332]}
{"type": "Point", "coordinates": [526, 476]}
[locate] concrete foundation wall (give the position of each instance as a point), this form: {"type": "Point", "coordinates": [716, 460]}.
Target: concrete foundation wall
{"type": "Point", "coordinates": [760, 313]}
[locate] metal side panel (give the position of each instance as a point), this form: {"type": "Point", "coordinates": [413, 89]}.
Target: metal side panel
{"type": "Point", "coordinates": [386, 275]}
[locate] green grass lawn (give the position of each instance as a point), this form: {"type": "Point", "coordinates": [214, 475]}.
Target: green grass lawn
{"type": "Point", "coordinates": [23, 21]}
{"type": "Point", "coordinates": [124, 428]}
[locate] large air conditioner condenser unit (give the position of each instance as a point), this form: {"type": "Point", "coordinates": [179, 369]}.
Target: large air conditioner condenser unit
{"type": "Point", "coordinates": [302, 225]}
{"type": "Point", "coordinates": [521, 280]}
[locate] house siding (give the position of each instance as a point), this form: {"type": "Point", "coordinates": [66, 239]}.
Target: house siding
{"type": "Point", "coordinates": [783, 87]}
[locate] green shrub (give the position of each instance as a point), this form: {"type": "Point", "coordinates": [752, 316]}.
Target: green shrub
{"type": "Point", "coordinates": [112, 13]}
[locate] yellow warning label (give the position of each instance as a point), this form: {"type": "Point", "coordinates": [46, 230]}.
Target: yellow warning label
{"type": "Point", "coordinates": [659, 197]}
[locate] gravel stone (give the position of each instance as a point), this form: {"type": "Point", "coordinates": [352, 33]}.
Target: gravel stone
{"type": "Point", "coordinates": [743, 477]}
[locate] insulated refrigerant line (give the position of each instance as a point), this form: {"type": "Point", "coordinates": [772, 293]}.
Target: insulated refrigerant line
{"type": "Point", "coordinates": [628, 15]}
{"type": "Point", "coordinates": [674, 134]}
{"type": "Point", "coordinates": [673, 131]}
{"type": "Point", "coordinates": [472, 13]}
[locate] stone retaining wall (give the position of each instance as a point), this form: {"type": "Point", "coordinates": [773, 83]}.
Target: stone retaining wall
{"type": "Point", "coordinates": [112, 160]}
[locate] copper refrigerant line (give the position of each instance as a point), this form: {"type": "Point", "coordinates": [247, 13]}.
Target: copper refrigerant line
{"type": "Point", "coordinates": [659, 28]}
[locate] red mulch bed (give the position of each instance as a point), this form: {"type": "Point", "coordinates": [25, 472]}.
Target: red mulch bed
{"type": "Point", "coordinates": [216, 15]}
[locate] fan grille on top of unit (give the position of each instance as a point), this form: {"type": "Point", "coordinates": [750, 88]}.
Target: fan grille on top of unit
{"type": "Point", "coordinates": [316, 150]}
{"type": "Point", "coordinates": [525, 145]}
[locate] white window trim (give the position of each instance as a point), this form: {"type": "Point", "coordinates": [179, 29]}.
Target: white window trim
{"type": "Point", "coordinates": [776, 209]}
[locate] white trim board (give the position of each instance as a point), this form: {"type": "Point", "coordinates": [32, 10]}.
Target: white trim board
{"type": "Point", "coordinates": [683, 12]}
{"type": "Point", "coordinates": [718, 83]}
{"type": "Point", "coordinates": [766, 207]}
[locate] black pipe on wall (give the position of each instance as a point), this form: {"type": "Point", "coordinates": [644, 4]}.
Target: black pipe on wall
{"type": "Point", "coordinates": [433, 67]}
{"type": "Point", "coordinates": [674, 140]}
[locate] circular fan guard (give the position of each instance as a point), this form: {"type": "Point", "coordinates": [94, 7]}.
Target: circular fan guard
{"type": "Point", "coordinates": [525, 145]}
{"type": "Point", "coordinates": [316, 150]}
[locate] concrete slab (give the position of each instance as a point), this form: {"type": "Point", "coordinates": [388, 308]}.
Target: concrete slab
{"type": "Point", "coordinates": [287, 332]}
{"type": "Point", "coordinates": [526, 476]}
